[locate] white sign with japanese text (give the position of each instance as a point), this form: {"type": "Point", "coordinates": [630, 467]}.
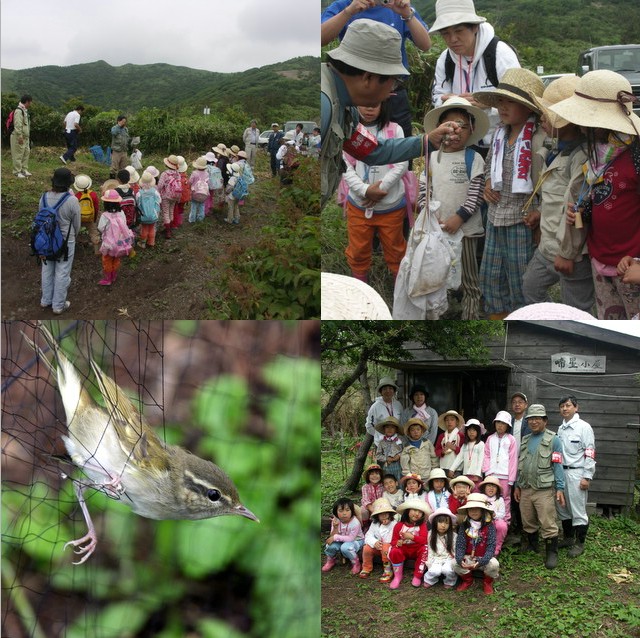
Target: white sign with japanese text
{"type": "Point", "coordinates": [578, 363]}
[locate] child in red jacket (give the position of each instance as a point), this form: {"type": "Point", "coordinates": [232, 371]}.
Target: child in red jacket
{"type": "Point", "coordinates": [409, 540]}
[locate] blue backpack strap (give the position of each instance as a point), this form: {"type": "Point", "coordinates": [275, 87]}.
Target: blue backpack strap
{"type": "Point", "coordinates": [469, 156]}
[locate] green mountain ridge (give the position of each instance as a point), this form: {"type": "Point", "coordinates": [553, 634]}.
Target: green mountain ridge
{"type": "Point", "coordinates": [131, 87]}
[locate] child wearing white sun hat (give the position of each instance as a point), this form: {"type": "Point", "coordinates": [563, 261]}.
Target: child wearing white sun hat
{"type": "Point", "coordinates": [608, 201]}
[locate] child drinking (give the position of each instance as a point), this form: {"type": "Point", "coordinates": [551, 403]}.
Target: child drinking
{"type": "Point", "coordinates": [419, 455]}
{"type": "Point", "coordinates": [476, 543]}
{"type": "Point", "coordinates": [438, 494]}
{"type": "Point", "coordinates": [378, 540]}
{"type": "Point", "coordinates": [457, 182]}
{"type": "Point", "coordinates": [117, 238]}
{"type": "Point", "coordinates": [409, 540]}
{"type": "Point", "coordinates": [389, 448]}
{"type": "Point", "coordinates": [491, 488]}
{"type": "Point", "coordinates": [508, 184]}
{"type": "Point", "coordinates": [450, 440]}
{"type": "Point", "coordinates": [371, 491]}
{"type": "Point", "coordinates": [394, 495]}
{"type": "Point", "coordinates": [471, 454]}
{"type": "Point", "coordinates": [148, 202]}
{"type": "Point", "coordinates": [346, 536]}
{"type": "Point", "coordinates": [501, 458]}
{"type": "Point", "coordinates": [441, 542]}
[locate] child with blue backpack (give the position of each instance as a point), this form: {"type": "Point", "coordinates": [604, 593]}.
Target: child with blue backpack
{"type": "Point", "coordinates": [54, 243]}
{"type": "Point", "coordinates": [456, 178]}
{"type": "Point", "coordinates": [216, 184]}
{"type": "Point", "coordinates": [236, 190]}
{"type": "Point", "coordinates": [148, 201]}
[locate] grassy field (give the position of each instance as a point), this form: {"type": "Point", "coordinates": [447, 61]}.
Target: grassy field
{"type": "Point", "coordinates": [579, 599]}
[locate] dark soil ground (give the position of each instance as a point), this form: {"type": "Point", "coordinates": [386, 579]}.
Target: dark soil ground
{"type": "Point", "coordinates": [179, 278]}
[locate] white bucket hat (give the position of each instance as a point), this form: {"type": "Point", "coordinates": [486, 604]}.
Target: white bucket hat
{"type": "Point", "coordinates": [134, 178]}
{"type": "Point", "coordinates": [503, 416]}
{"type": "Point", "coordinates": [601, 100]}
{"type": "Point", "coordinates": [481, 119]}
{"type": "Point", "coordinates": [82, 182]}
{"type": "Point", "coordinates": [371, 46]}
{"type": "Point", "coordinates": [452, 12]}
{"type": "Point", "coordinates": [349, 298]}
{"type": "Point", "coordinates": [558, 90]}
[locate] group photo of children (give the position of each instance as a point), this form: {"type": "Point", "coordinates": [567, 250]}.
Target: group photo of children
{"type": "Point", "coordinates": [445, 491]}
{"type": "Point", "coordinates": [516, 194]}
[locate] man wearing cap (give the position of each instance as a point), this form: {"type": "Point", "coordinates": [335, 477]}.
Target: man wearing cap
{"type": "Point", "coordinates": [579, 463]}
{"type": "Point", "coordinates": [363, 71]}
{"type": "Point", "coordinates": [398, 14]}
{"type": "Point", "coordinates": [384, 406]}
{"type": "Point", "coordinates": [273, 146]}
{"type": "Point", "coordinates": [250, 139]}
{"type": "Point", "coordinates": [540, 485]}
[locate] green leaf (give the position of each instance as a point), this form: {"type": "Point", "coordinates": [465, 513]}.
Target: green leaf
{"type": "Point", "coordinates": [218, 629]}
{"type": "Point", "coordinates": [221, 405]}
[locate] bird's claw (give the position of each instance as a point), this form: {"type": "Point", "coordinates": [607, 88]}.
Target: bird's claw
{"type": "Point", "coordinates": [85, 547]}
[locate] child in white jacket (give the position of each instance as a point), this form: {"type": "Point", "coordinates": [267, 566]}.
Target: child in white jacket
{"type": "Point", "coordinates": [441, 542]}
{"type": "Point", "coordinates": [378, 539]}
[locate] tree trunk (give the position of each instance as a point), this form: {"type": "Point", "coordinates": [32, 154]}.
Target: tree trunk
{"type": "Point", "coordinates": [351, 484]}
{"type": "Point", "coordinates": [339, 392]}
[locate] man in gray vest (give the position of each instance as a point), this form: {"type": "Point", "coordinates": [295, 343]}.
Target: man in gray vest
{"type": "Point", "coordinates": [363, 71]}
{"type": "Point", "coordinates": [540, 484]}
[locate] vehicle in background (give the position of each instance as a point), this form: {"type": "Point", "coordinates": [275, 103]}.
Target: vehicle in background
{"type": "Point", "coordinates": [263, 138]}
{"type": "Point", "coordinates": [621, 58]}
{"type": "Point", "coordinates": [547, 79]}
{"type": "Point", "coordinates": [307, 127]}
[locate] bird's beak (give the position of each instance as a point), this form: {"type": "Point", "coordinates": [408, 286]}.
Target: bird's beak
{"type": "Point", "coordinates": [243, 511]}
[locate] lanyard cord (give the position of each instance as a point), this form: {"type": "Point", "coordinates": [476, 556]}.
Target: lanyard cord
{"type": "Point", "coordinates": [468, 74]}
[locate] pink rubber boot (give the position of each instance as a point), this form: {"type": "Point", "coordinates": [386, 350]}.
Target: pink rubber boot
{"type": "Point", "coordinates": [397, 576]}
{"type": "Point", "coordinates": [106, 279]}
{"type": "Point", "coordinates": [329, 565]}
{"type": "Point", "coordinates": [356, 566]}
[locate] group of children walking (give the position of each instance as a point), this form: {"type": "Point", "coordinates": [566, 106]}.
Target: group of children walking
{"type": "Point", "coordinates": [134, 205]}
{"type": "Point", "coordinates": [556, 199]}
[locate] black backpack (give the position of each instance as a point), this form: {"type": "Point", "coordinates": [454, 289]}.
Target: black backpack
{"type": "Point", "coordinates": [488, 57]}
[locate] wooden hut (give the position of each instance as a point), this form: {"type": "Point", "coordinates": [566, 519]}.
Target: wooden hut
{"type": "Point", "coordinates": [548, 360]}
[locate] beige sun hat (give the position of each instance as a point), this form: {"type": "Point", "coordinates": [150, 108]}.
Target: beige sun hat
{"type": "Point", "coordinates": [171, 162]}
{"type": "Point", "coordinates": [82, 182]}
{"type": "Point", "coordinates": [182, 164]}
{"type": "Point", "coordinates": [380, 506]}
{"type": "Point", "coordinates": [134, 178]}
{"type": "Point", "coordinates": [349, 298]}
{"type": "Point", "coordinates": [242, 154]}
{"type": "Point", "coordinates": [234, 149]}
{"type": "Point", "coordinates": [390, 420]}
{"type": "Point", "coordinates": [442, 417]}
{"type": "Point", "coordinates": [481, 119]}
{"type": "Point", "coordinates": [147, 179]}
{"type": "Point", "coordinates": [437, 473]}
{"type": "Point", "coordinates": [414, 504]}
{"type": "Point", "coordinates": [601, 100]}
{"type": "Point", "coordinates": [558, 90]}
{"type": "Point", "coordinates": [414, 421]}
{"type": "Point", "coordinates": [443, 511]}
{"type": "Point", "coordinates": [492, 480]}
{"type": "Point", "coordinates": [452, 12]}
{"type": "Point", "coordinates": [462, 479]}
{"type": "Point", "coordinates": [519, 85]}
{"type": "Point", "coordinates": [371, 46]}
{"type": "Point", "coordinates": [477, 500]}
{"type": "Point", "coordinates": [200, 163]}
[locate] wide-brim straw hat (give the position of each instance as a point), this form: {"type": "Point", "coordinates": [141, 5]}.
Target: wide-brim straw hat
{"type": "Point", "coordinates": [152, 170]}
{"type": "Point", "coordinates": [558, 90]}
{"type": "Point", "coordinates": [492, 480]}
{"type": "Point", "coordinates": [111, 196]}
{"type": "Point", "coordinates": [82, 182]}
{"type": "Point", "coordinates": [519, 85]}
{"type": "Point", "coordinates": [442, 417]}
{"type": "Point", "coordinates": [443, 511]}
{"type": "Point", "coordinates": [390, 420]}
{"type": "Point", "coordinates": [414, 421]}
{"type": "Point", "coordinates": [242, 154]}
{"type": "Point", "coordinates": [452, 12]}
{"type": "Point", "coordinates": [503, 416]}
{"type": "Point", "coordinates": [221, 149]}
{"type": "Point", "coordinates": [600, 101]}
{"type": "Point", "coordinates": [549, 310]}
{"type": "Point", "coordinates": [171, 162]}
{"type": "Point", "coordinates": [475, 422]}
{"type": "Point", "coordinates": [371, 46]}
{"type": "Point", "coordinates": [476, 500]}
{"type": "Point", "coordinates": [371, 468]}
{"type": "Point", "coordinates": [481, 119]}
{"type": "Point", "coordinates": [147, 179]}
{"type": "Point", "coordinates": [414, 504]}
{"type": "Point", "coordinates": [349, 298]}
{"type": "Point", "coordinates": [462, 479]}
{"type": "Point", "coordinates": [437, 473]}
{"type": "Point", "coordinates": [235, 149]}
{"type": "Point", "coordinates": [200, 163]}
{"type": "Point", "coordinates": [134, 177]}
{"type": "Point", "coordinates": [415, 477]}
{"type": "Point", "coordinates": [381, 505]}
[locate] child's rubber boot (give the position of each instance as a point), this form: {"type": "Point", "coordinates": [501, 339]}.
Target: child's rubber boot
{"type": "Point", "coordinates": [167, 231]}
{"type": "Point", "coordinates": [329, 565]}
{"type": "Point", "coordinates": [467, 581]}
{"type": "Point", "coordinates": [398, 570]}
{"type": "Point", "coordinates": [356, 566]}
{"type": "Point", "coordinates": [487, 585]}
{"type": "Point", "coordinates": [416, 581]}
{"type": "Point", "coordinates": [387, 575]}
{"type": "Point", "coordinates": [106, 279]}
{"type": "Point", "coordinates": [114, 276]}
{"type": "Point", "coordinates": [364, 277]}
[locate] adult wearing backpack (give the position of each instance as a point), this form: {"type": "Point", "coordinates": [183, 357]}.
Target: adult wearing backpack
{"type": "Point", "coordinates": [475, 59]}
{"type": "Point", "coordinates": [119, 146]}
{"type": "Point", "coordinates": [56, 274]}
{"type": "Point", "coordinates": [20, 128]}
{"type": "Point", "coordinates": [71, 131]}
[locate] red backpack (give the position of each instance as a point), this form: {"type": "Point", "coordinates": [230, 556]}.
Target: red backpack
{"type": "Point", "coordinates": [186, 188]}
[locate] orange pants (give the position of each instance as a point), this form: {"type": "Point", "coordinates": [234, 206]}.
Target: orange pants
{"type": "Point", "coordinates": [361, 230]}
{"type": "Point", "coordinates": [111, 264]}
{"type": "Point", "coordinates": [147, 234]}
{"type": "Point", "coordinates": [369, 552]}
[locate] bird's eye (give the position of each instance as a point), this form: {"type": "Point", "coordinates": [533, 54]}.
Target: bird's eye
{"type": "Point", "coordinates": [213, 495]}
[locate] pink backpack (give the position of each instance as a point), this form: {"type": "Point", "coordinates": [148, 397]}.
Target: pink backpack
{"type": "Point", "coordinates": [117, 238]}
{"type": "Point", "coordinates": [409, 179]}
{"type": "Point", "coordinates": [171, 185]}
{"type": "Point", "coordinates": [200, 189]}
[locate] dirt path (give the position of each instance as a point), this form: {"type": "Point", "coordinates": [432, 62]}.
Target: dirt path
{"type": "Point", "coordinates": [179, 278]}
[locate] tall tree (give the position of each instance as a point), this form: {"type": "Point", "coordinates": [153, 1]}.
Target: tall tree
{"type": "Point", "coordinates": [349, 346]}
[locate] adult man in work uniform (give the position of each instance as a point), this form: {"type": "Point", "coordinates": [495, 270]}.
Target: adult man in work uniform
{"type": "Point", "coordinates": [579, 463]}
{"type": "Point", "coordinates": [540, 484]}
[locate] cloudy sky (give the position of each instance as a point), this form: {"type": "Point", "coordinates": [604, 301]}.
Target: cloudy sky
{"type": "Point", "coordinates": [214, 35]}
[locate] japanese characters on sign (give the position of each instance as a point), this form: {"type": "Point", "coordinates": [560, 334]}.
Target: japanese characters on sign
{"type": "Point", "coordinates": [578, 363]}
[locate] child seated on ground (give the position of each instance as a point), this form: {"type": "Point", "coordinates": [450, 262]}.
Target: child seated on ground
{"type": "Point", "coordinates": [346, 536]}
{"type": "Point", "coordinates": [378, 539]}
{"type": "Point", "coordinates": [409, 540]}
{"type": "Point", "coordinates": [441, 542]}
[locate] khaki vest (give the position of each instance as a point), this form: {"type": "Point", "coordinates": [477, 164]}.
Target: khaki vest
{"type": "Point", "coordinates": [536, 470]}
